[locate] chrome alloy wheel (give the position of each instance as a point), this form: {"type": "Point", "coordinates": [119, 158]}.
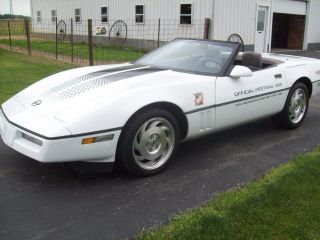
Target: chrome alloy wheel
{"type": "Point", "coordinates": [153, 143]}
{"type": "Point", "coordinates": [297, 106]}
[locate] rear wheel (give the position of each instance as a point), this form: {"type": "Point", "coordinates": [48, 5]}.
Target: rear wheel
{"type": "Point", "coordinates": [149, 142]}
{"type": "Point", "coordinates": [295, 109]}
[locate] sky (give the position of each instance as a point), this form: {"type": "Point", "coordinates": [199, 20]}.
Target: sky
{"type": "Point", "coordinates": [20, 7]}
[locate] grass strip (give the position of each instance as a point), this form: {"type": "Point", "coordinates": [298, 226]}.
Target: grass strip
{"type": "Point", "coordinates": [284, 204]}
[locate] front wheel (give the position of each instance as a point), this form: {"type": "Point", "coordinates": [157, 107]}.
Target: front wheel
{"type": "Point", "coordinates": [149, 142]}
{"type": "Point", "coordinates": [295, 109]}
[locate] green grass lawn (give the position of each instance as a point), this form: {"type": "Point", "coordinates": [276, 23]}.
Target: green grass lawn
{"type": "Point", "coordinates": [284, 204]}
{"type": "Point", "coordinates": [18, 71]}
{"type": "Point", "coordinates": [100, 52]}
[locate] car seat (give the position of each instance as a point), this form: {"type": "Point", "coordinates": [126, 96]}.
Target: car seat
{"type": "Point", "coordinates": [252, 60]}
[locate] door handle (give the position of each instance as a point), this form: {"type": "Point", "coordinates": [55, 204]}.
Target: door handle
{"type": "Point", "coordinates": [279, 75]}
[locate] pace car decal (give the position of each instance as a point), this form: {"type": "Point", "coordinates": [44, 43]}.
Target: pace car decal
{"type": "Point", "coordinates": [244, 101]}
{"type": "Point", "coordinates": [252, 100]}
{"type": "Point", "coordinates": [257, 89]}
{"type": "Point", "coordinates": [199, 99]}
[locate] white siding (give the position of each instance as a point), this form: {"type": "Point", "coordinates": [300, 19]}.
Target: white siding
{"type": "Point", "coordinates": [122, 9]}
{"type": "Point", "coordinates": [312, 24]}
{"type": "Point", "coordinates": [167, 10]}
{"type": "Point", "coordinates": [290, 7]}
{"type": "Point", "coordinates": [228, 16]}
{"type": "Point", "coordinates": [236, 16]}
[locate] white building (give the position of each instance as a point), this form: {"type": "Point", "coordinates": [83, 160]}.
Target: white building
{"type": "Point", "coordinates": [262, 24]}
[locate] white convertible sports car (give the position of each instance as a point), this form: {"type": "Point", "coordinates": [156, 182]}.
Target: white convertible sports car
{"type": "Point", "coordinates": [138, 113]}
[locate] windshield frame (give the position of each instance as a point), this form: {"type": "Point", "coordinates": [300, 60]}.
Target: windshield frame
{"type": "Point", "coordinates": [224, 70]}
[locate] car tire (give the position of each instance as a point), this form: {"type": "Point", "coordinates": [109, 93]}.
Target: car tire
{"type": "Point", "coordinates": [148, 142]}
{"type": "Point", "coordinates": [295, 108]}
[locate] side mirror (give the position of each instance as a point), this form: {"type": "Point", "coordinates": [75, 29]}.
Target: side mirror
{"type": "Point", "coordinates": [240, 71]}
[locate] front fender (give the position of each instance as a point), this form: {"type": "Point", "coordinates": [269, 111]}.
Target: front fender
{"type": "Point", "coordinates": [121, 100]}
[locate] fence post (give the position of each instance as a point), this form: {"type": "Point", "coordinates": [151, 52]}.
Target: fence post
{"type": "Point", "coordinates": [159, 32]}
{"type": "Point", "coordinates": [56, 50]}
{"type": "Point", "coordinates": [206, 28]}
{"type": "Point", "coordinates": [90, 48]}
{"type": "Point", "coordinates": [71, 38]}
{"type": "Point", "coordinates": [27, 27]}
{"type": "Point", "coordinates": [9, 31]}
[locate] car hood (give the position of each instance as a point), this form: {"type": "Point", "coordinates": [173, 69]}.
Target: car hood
{"type": "Point", "coordinates": [70, 94]}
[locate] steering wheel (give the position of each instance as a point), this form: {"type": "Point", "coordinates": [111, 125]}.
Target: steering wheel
{"type": "Point", "coordinates": [194, 58]}
{"type": "Point", "coordinates": [204, 60]}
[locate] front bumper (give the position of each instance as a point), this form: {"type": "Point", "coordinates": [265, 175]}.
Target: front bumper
{"type": "Point", "coordinates": [57, 150]}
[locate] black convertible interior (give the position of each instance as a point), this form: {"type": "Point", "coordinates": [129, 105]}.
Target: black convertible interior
{"type": "Point", "coordinates": [254, 61]}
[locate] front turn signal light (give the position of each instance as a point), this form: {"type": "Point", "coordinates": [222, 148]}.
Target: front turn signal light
{"type": "Point", "coordinates": [88, 140]}
{"type": "Point", "coordinates": [97, 139]}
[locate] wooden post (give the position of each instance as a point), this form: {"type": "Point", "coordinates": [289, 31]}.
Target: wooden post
{"type": "Point", "coordinates": [71, 38]}
{"type": "Point", "coordinates": [90, 47]}
{"type": "Point", "coordinates": [27, 27]}
{"type": "Point", "coordinates": [206, 28]}
{"type": "Point", "coordinates": [9, 31]}
{"type": "Point", "coordinates": [159, 32]}
{"type": "Point", "coordinates": [56, 38]}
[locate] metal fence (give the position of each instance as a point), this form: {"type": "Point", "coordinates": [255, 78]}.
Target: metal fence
{"type": "Point", "coordinates": [88, 42]}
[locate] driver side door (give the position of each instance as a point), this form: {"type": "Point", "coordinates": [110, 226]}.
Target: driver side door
{"type": "Point", "coordinates": [249, 98]}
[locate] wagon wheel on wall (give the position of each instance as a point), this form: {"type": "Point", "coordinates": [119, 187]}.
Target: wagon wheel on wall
{"type": "Point", "coordinates": [61, 30]}
{"type": "Point", "coordinates": [118, 32]}
{"type": "Point", "coordinates": [236, 38]}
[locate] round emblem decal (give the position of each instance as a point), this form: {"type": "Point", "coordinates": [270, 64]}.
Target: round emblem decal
{"type": "Point", "coordinates": [36, 103]}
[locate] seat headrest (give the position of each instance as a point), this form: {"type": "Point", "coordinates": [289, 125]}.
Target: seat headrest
{"type": "Point", "coordinates": [252, 59]}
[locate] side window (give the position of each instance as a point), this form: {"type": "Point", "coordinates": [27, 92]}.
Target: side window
{"type": "Point", "coordinates": [39, 16]}
{"type": "Point", "coordinates": [186, 14]}
{"type": "Point", "coordinates": [53, 15]}
{"type": "Point", "coordinates": [104, 14]}
{"type": "Point", "coordinates": [139, 12]}
{"type": "Point", "coordinates": [261, 20]}
{"type": "Point", "coordinates": [77, 15]}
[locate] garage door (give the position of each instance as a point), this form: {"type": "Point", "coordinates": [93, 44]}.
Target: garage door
{"type": "Point", "coordinates": [290, 7]}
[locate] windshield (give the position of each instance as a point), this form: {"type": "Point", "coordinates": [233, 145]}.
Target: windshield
{"type": "Point", "coordinates": [204, 57]}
